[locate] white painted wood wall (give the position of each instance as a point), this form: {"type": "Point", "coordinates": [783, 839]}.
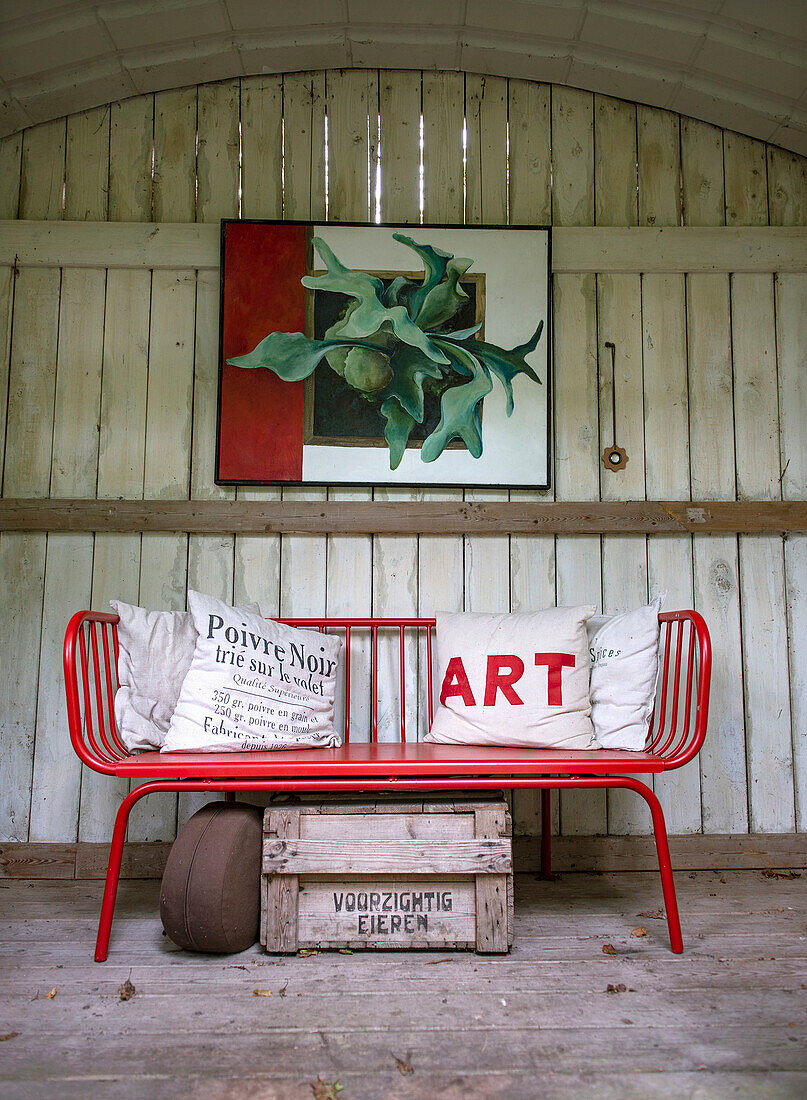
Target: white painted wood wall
{"type": "Point", "coordinates": [107, 388]}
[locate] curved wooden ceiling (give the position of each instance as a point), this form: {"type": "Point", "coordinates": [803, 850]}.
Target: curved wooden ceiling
{"type": "Point", "coordinates": [736, 63]}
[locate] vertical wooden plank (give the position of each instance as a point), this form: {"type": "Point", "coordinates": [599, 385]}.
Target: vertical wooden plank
{"type": "Point", "coordinates": [787, 187]}
{"type": "Point", "coordinates": [164, 558]}
{"type": "Point", "coordinates": [282, 891]}
{"type": "Point", "coordinates": [395, 557]}
{"type": "Point", "coordinates": [487, 558]}
{"type": "Point", "coordinates": [68, 571]}
{"type": "Point", "coordinates": [43, 161]}
{"type": "Point", "coordinates": [7, 282]}
{"type": "Point", "coordinates": [10, 173]}
{"type": "Point", "coordinates": [745, 180]}
{"type": "Point", "coordinates": [87, 166]}
{"type": "Point", "coordinates": [10, 170]}
{"type": "Point", "coordinates": [261, 147]}
{"type": "Point", "coordinates": [764, 624]}
{"type": "Point", "coordinates": [218, 115]}
{"type": "Point", "coordinates": [116, 560]}
{"type": "Point", "coordinates": [175, 155]}
{"type": "Point", "coordinates": [440, 557]}
{"type": "Point", "coordinates": [615, 188]}
{"type": "Point", "coordinates": [529, 124]}
{"type": "Point", "coordinates": [724, 782]}
{"type": "Point", "coordinates": [211, 557]}
{"type": "Point", "coordinates": [22, 561]}
{"type": "Point", "coordinates": [769, 745]}
{"type": "Point", "coordinates": [624, 558]}
{"type": "Point", "coordinates": [28, 448]}
{"type": "Point", "coordinates": [787, 202]}
{"type": "Point", "coordinates": [702, 180]}
{"type": "Point", "coordinates": [791, 314]}
{"type": "Point", "coordinates": [716, 570]}
{"type": "Point", "coordinates": [257, 558]}
{"type": "Point", "coordinates": [32, 383]}
{"type": "Point", "coordinates": [399, 107]}
{"type": "Point", "coordinates": [131, 143]}
{"type": "Point", "coordinates": [659, 149]}
{"type": "Point", "coordinates": [669, 558]}
{"type": "Point", "coordinates": [303, 557]}
{"type": "Point", "coordinates": [532, 557]}
{"type": "Point", "coordinates": [576, 404]}
{"type": "Point", "coordinates": [572, 157]}
{"type": "Point", "coordinates": [491, 891]}
{"type": "Point", "coordinates": [116, 565]}
{"type": "Point", "coordinates": [487, 565]}
{"type": "Point", "coordinates": [353, 108]}
{"type": "Point", "coordinates": [577, 477]}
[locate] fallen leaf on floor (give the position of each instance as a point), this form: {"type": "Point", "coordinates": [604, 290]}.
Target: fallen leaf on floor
{"type": "Point", "coordinates": [233, 966]}
{"type": "Point", "coordinates": [768, 873]}
{"type": "Point", "coordinates": [434, 962]}
{"type": "Point", "coordinates": [282, 992]}
{"type": "Point", "coordinates": [608, 949]}
{"type": "Point", "coordinates": [51, 995]}
{"type": "Point", "coordinates": [345, 951]}
{"type": "Point", "coordinates": [652, 914]}
{"type": "Point", "coordinates": [325, 1090]}
{"type": "Point", "coordinates": [262, 993]}
{"type": "Point", "coordinates": [127, 991]}
{"type": "Point", "coordinates": [305, 952]}
{"type": "Point", "coordinates": [8, 1035]}
{"type": "Point", "coordinates": [403, 1067]}
{"type": "Point", "coordinates": [620, 988]}
{"type": "Point", "coordinates": [639, 932]}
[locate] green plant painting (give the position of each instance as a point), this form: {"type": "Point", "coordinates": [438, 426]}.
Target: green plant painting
{"type": "Point", "coordinates": [394, 344]}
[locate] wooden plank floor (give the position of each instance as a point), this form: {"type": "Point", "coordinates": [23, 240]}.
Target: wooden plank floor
{"type": "Point", "coordinates": [728, 1018]}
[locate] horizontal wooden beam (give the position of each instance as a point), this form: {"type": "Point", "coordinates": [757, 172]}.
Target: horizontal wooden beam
{"type": "Point", "coordinates": [690, 852]}
{"type": "Point", "coordinates": [574, 249]}
{"type": "Point", "coordinates": [206, 517]}
{"type": "Point", "coordinates": [679, 249]}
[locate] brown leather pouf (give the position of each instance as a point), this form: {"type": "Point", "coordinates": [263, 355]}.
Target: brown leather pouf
{"type": "Point", "coordinates": [210, 894]}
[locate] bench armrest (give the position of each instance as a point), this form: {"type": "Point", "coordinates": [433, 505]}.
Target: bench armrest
{"type": "Point", "coordinates": [682, 702]}
{"type": "Point", "coordinates": [90, 677]}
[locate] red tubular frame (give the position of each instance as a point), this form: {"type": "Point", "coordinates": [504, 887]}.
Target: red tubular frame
{"type": "Point", "coordinates": [90, 681]}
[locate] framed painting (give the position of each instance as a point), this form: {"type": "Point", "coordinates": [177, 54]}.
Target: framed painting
{"type": "Point", "coordinates": [355, 354]}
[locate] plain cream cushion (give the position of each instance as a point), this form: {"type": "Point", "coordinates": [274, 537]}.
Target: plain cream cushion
{"type": "Point", "coordinates": [510, 694]}
{"type": "Point", "coordinates": [155, 650]}
{"type": "Point", "coordinates": [624, 652]}
{"type": "Point", "coordinates": [254, 684]}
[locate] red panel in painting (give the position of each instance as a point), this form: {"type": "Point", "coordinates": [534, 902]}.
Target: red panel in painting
{"type": "Point", "coordinates": [260, 416]}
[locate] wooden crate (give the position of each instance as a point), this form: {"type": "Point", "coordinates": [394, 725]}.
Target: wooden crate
{"type": "Point", "coordinates": [430, 873]}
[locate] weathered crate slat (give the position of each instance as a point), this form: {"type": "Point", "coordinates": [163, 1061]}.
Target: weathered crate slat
{"type": "Point", "coordinates": [387, 873]}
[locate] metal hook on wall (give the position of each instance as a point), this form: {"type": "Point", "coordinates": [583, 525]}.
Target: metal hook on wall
{"type": "Point", "coordinates": [613, 458]}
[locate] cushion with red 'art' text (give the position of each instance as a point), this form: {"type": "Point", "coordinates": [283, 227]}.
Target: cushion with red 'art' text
{"type": "Point", "coordinates": [520, 679]}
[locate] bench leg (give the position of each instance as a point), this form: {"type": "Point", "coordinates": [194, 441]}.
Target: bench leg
{"type": "Point", "coordinates": [664, 863]}
{"type": "Point", "coordinates": [112, 876]}
{"type": "Point", "coordinates": [546, 831]}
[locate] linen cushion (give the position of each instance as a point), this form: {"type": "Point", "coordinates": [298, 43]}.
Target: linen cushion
{"type": "Point", "coordinates": [254, 684]}
{"type": "Point", "coordinates": [210, 892]}
{"type": "Point", "coordinates": [155, 650]}
{"type": "Point", "coordinates": [519, 679]}
{"type": "Point", "coordinates": [624, 652]}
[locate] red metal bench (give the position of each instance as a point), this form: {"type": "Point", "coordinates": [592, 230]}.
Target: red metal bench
{"type": "Point", "coordinates": [676, 735]}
